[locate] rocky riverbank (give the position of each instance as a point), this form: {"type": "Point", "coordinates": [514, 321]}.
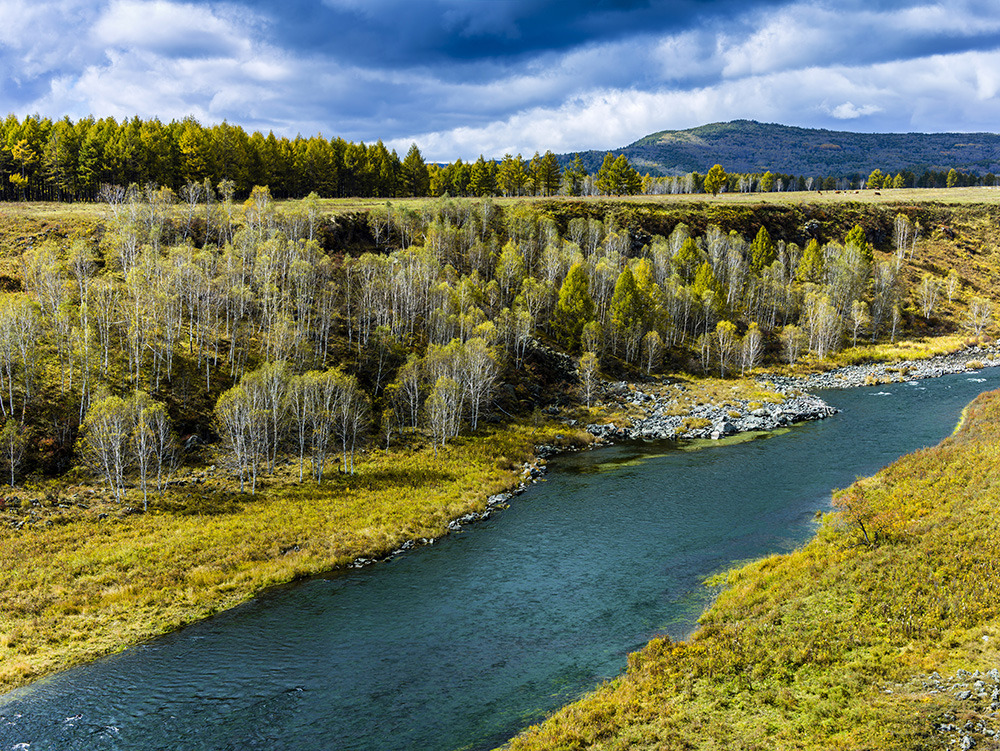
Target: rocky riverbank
{"type": "Point", "coordinates": [970, 359]}
{"type": "Point", "coordinates": [661, 412]}
{"type": "Point", "coordinates": [664, 413]}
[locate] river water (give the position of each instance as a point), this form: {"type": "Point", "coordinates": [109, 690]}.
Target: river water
{"type": "Point", "coordinates": [461, 644]}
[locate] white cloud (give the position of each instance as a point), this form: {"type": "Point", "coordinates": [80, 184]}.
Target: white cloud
{"type": "Point", "coordinates": [934, 93]}
{"type": "Point", "coordinates": [848, 111]}
{"type": "Point", "coordinates": [168, 28]}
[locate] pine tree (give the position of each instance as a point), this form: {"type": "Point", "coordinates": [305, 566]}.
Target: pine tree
{"type": "Point", "coordinates": [573, 177]}
{"type": "Point", "coordinates": [575, 307]}
{"type": "Point", "coordinates": [416, 177]}
{"type": "Point", "coordinates": [762, 251]}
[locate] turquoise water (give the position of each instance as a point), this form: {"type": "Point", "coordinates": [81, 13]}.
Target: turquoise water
{"type": "Point", "coordinates": [463, 643]}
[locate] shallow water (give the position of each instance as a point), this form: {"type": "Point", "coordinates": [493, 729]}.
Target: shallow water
{"type": "Point", "coordinates": [463, 643]}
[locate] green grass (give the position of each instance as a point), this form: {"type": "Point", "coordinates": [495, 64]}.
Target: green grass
{"type": "Point", "coordinates": [75, 586]}
{"type": "Point", "coordinates": [819, 649]}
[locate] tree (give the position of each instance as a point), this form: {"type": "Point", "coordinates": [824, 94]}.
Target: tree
{"type": "Point", "coordinates": [725, 335]}
{"type": "Point", "coordinates": [351, 416]}
{"type": "Point", "coordinates": [617, 177]}
{"type": "Point", "coordinates": [952, 284]}
{"type": "Point", "coordinates": [875, 179]}
{"type": "Point", "coordinates": [268, 385]}
{"type": "Point", "coordinates": [575, 307]}
{"type": "Point", "coordinates": [592, 337]}
{"type": "Point", "coordinates": [589, 365]}
{"type": "Point", "coordinates": [859, 319]}
{"type": "Point", "coordinates": [715, 180]}
{"type": "Point", "coordinates": [902, 234]}
{"type": "Point", "coordinates": [236, 422]}
{"type": "Point", "coordinates": [479, 372]}
{"type": "Point", "coordinates": [979, 315]}
{"type": "Point", "coordinates": [762, 251]}
{"type": "Point", "coordinates": [444, 410]}
{"type": "Point", "coordinates": [602, 181]}
{"type": "Point", "coordinates": [482, 177]}
{"type": "Point", "coordinates": [149, 440]}
{"type": "Point", "coordinates": [751, 348]}
{"type": "Point", "coordinates": [105, 436]}
{"type": "Point", "coordinates": [512, 175]}
{"type": "Point", "coordinates": [416, 178]}
{"type": "Point", "coordinates": [858, 239]}
{"type": "Point", "coordinates": [546, 174]}
{"type": "Point", "coordinates": [510, 271]}
{"type": "Point", "coordinates": [574, 176]}
{"type": "Point", "coordinates": [13, 441]}
{"type": "Point", "coordinates": [652, 350]}
{"type": "Point", "coordinates": [810, 267]}
{"type": "Point", "coordinates": [952, 179]}
{"type": "Point", "coordinates": [321, 404]}
{"type": "Point", "coordinates": [626, 313]}
{"type": "Point", "coordinates": [927, 293]}
{"type": "Point", "coordinates": [793, 341]}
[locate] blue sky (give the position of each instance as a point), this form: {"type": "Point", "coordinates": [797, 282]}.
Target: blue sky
{"type": "Point", "coordinates": [464, 77]}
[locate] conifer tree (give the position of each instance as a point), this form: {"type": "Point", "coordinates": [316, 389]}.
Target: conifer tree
{"type": "Point", "coordinates": [762, 250]}
{"type": "Point", "coordinates": [575, 307]}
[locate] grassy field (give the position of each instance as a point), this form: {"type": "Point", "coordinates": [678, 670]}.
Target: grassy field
{"type": "Point", "coordinates": [901, 196]}
{"type": "Point", "coordinates": [84, 577]}
{"type": "Point", "coordinates": [51, 212]}
{"type": "Point", "coordinates": [830, 647]}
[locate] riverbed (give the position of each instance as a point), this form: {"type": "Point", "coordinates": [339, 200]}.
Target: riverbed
{"type": "Point", "coordinates": [462, 643]}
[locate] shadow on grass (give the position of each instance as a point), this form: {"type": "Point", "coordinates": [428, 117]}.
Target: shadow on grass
{"type": "Point", "coordinates": [204, 503]}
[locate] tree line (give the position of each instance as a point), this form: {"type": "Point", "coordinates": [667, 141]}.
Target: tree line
{"type": "Point", "coordinates": [62, 160]}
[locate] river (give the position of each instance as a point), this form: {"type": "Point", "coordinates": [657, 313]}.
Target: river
{"type": "Point", "coordinates": [460, 644]}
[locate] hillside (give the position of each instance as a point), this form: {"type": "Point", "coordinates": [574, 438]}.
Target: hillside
{"type": "Point", "coordinates": [747, 146]}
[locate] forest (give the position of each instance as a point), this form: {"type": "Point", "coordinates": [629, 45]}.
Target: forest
{"type": "Point", "coordinates": [231, 323]}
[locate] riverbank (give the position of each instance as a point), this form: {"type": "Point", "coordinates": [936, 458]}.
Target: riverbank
{"type": "Point", "coordinates": [84, 577]}
{"type": "Point", "coordinates": [851, 376]}
{"type": "Point", "coordinates": [714, 408]}
{"type": "Point", "coordinates": [879, 633]}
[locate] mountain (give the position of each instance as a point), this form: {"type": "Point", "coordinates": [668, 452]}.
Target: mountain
{"type": "Point", "coordinates": [749, 146]}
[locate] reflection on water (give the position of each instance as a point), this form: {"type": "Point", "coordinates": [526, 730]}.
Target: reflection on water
{"type": "Point", "coordinates": [461, 644]}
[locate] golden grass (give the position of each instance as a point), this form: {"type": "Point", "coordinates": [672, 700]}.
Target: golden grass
{"type": "Point", "coordinates": [74, 586]}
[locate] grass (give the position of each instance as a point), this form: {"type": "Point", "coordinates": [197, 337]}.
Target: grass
{"type": "Point", "coordinates": [75, 585]}
{"type": "Point", "coordinates": [824, 648]}
{"type": "Point", "coordinates": [947, 196]}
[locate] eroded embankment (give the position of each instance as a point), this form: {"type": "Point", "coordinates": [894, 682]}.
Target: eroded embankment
{"type": "Point", "coordinates": [836, 645]}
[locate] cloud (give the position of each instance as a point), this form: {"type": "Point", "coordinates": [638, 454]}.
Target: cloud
{"type": "Point", "coordinates": [848, 111]}
{"type": "Point", "coordinates": [169, 29]}
{"type": "Point", "coordinates": [932, 93]}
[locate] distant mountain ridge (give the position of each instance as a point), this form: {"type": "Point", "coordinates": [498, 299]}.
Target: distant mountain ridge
{"type": "Point", "coordinates": [747, 146]}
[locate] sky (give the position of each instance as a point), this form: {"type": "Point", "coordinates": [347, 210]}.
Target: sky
{"type": "Point", "coordinates": [462, 78]}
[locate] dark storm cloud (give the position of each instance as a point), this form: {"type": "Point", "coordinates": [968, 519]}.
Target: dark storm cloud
{"type": "Point", "coordinates": [432, 32]}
